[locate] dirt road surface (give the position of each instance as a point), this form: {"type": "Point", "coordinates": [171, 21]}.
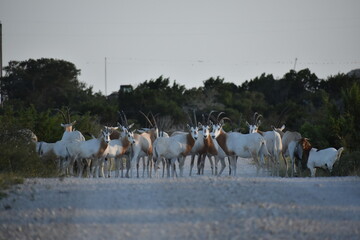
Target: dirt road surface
{"type": "Point", "coordinates": [197, 207]}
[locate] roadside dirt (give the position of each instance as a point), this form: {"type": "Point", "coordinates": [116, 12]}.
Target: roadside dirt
{"type": "Point", "coordinates": [197, 207]}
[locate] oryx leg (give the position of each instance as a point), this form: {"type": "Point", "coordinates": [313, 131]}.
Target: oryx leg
{"type": "Point", "coordinates": [313, 171]}
{"type": "Point", "coordinates": [216, 162]}
{"type": "Point", "coordinates": [181, 165]}
{"type": "Point", "coordinates": [149, 166]}
{"type": "Point", "coordinates": [229, 160]}
{"type": "Point", "coordinates": [168, 165]}
{"type": "Point", "coordinates": [200, 164]}
{"type": "Point", "coordinates": [87, 162]}
{"type": "Point", "coordinates": [286, 165]}
{"type": "Point", "coordinates": [233, 161]}
{"type": "Point", "coordinates": [223, 166]}
{"type": "Point", "coordinates": [173, 167]}
{"type": "Point", "coordinates": [144, 166]}
{"type": "Point", "coordinates": [117, 166]}
{"type": "Point", "coordinates": [211, 164]}
{"type": "Point", "coordinates": [259, 164]}
{"type": "Point", "coordinates": [137, 166]}
{"type": "Point", "coordinates": [192, 164]}
{"type": "Point", "coordinates": [105, 167]}
{"type": "Point", "coordinates": [95, 167]}
{"type": "Point", "coordinates": [156, 166]}
{"type": "Point", "coordinates": [81, 166]}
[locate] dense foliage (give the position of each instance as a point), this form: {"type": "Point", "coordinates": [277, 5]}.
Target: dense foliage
{"type": "Point", "coordinates": [325, 110]}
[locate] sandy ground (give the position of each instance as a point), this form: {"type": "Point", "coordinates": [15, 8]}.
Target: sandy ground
{"type": "Point", "coordinates": [197, 207]}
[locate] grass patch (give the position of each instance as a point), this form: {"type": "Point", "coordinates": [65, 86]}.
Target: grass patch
{"type": "Point", "coordinates": [8, 180]}
{"type": "Point", "coordinates": [19, 160]}
{"type": "Point", "coordinates": [348, 164]}
{"type": "Point", "coordinates": [18, 157]}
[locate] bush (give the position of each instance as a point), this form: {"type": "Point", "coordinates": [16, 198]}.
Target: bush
{"type": "Point", "coordinates": [348, 164]}
{"type": "Point", "coordinates": [18, 156]}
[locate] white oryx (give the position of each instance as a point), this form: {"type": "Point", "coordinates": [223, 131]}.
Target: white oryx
{"type": "Point", "coordinates": [288, 148]}
{"type": "Point", "coordinates": [64, 149]}
{"type": "Point", "coordinates": [117, 148]}
{"type": "Point", "coordinates": [198, 150]}
{"type": "Point", "coordinates": [94, 150]}
{"type": "Point", "coordinates": [45, 149]}
{"type": "Point", "coordinates": [314, 158]}
{"type": "Point", "coordinates": [70, 134]}
{"type": "Point", "coordinates": [143, 147]}
{"type": "Point", "coordinates": [174, 148]}
{"type": "Point", "coordinates": [213, 149]}
{"type": "Point", "coordinates": [273, 142]}
{"type": "Point", "coordinates": [241, 145]}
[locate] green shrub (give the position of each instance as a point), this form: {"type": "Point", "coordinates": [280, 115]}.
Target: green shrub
{"type": "Point", "coordinates": [18, 156]}
{"type": "Point", "coordinates": [348, 164]}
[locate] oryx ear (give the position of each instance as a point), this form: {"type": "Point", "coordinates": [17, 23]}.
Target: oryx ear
{"type": "Point", "coordinates": [73, 123]}
{"type": "Point", "coordinates": [188, 126]}
{"type": "Point", "coordinates": [199, 125]}
{"type": "Point", "coordinates": [282, 127]}
{"type": "Point", "coordinates": [63, 125]}
{"type": "Point", "coordinates": [131, 125]}
{"type": "Point", "coordinates": [248, 124]}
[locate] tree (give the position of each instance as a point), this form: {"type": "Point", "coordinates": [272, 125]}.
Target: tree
{"type": "Point", "coordinates": [44, 83]}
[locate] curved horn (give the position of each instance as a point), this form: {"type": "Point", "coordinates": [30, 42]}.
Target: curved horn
{"type": "Point", "coordinates": [194, 112]}
{"type": "Point", "coordinates": [203, 119]}
{"type": "Point", "coordinates": [68, 114]}
{"type": "Point", "coordinates": [212, 111]}
{"type": "Point", "coordinates": [282, 114]}
{"type": "Point", "coordinates": [121, 118]}
{"type": "Point", "coordinates": [254, 118]}
{"type": "Point", "coordinates": [225, 118]}
{"type": "Point", "coordinates": [153, 117]}
{"type": "Point", "coordinates": [258, 118]}
{"type": "Point", "coordinates": [126, 122]}
{"type": "Point", "coordinates": [147, 118]}
{"type": "Point", "coordinates": [220, 115]}
{"type": "Point", "coordinates": [62, 113]}
{"type": "Point", "coordinates": [211, 117]}
{"type": "Point", "coordinates": [189, 118]}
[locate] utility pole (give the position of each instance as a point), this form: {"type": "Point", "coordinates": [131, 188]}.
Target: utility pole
{"type": "Point", "coordinates": [295, 63]}
{"type": "Point", "coordinates": [105, 80]}
{"type": "Point", "coordinates": [1, 69]}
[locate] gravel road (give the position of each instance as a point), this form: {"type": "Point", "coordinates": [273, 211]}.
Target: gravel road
{"type": "Point", "coordinates": [197, 207]}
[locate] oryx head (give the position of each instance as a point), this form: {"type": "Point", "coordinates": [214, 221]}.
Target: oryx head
{"type": "Point", "coordinates": [205, 130]}
{"type": "Point", "coordinates": [216, 129]}
{"type": "Point", "coordinates": [302, 150]}
{"type": "Point", "coordinates": [194, 131]}
{"type": "Point", "coordinates": [254, 127]}
{"type": "Point", "coordinates": [127, 133]}
{"type": "Point", "coordinates": [106, 134]}
{"type": "Point", "coordinates": [68, 125]}
{"type": "Point", "coordinates": [130, 136]}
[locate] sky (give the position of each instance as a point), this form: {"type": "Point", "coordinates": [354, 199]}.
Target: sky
{"type": "Point", "coordinates": [188, 41]}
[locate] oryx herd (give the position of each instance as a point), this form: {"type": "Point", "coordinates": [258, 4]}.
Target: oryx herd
{"type": "Point", "coordinates": [125, 147]}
